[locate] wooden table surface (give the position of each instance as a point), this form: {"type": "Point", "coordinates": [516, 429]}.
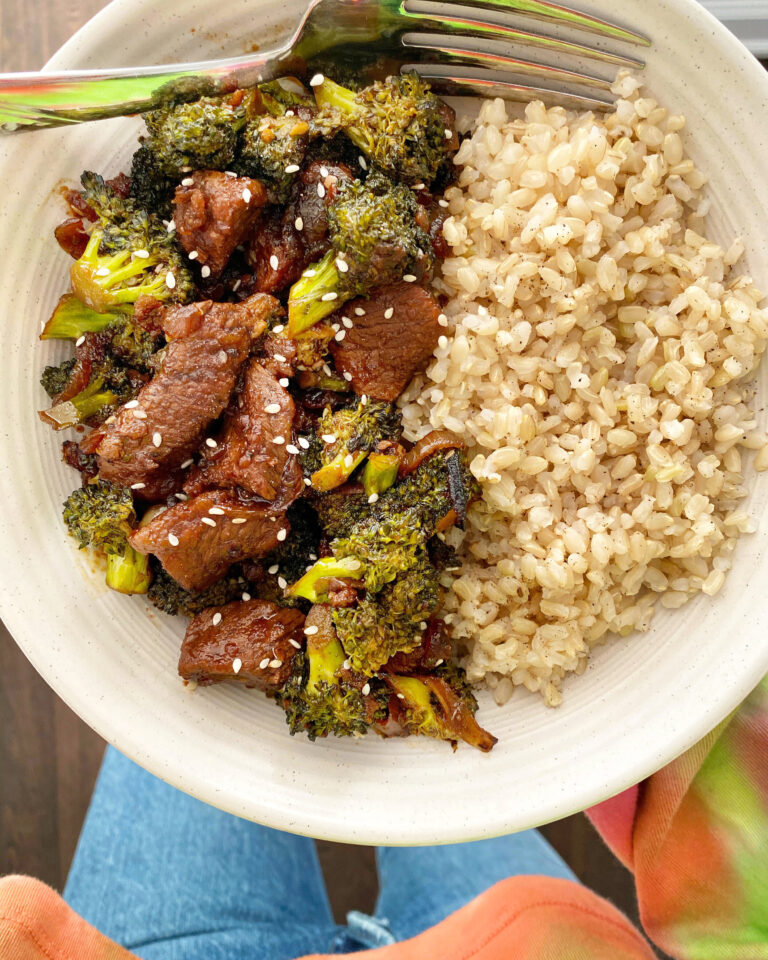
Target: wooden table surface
{"type": "Point", "coordinates": [49, 758]}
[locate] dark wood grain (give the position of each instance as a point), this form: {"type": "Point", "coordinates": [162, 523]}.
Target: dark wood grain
{"type": "Point", "coordinates": [49, 758]}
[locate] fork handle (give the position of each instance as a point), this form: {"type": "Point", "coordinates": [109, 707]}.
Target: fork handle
{"type": "Point", "coordinates": [31, 101]}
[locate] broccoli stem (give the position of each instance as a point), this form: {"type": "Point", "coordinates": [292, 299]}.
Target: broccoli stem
{"type": "Point", "coordinates": [128, 572]}
{"type": "Point", "coordinates": [380, 472]}
{"type": "Point", "coordinates": [314, 584]}
{"type": "Point", "coordinates": [333, 474]}
{"type": "Point", "coordinates": [306, 305]}
{"type": "Point", "coordinates": [330, 94]}
{"type": "Point", "coordinates": [325, 659]}
{"type": "Point", "coordinates": [82, 406]}
{"type": "Point", "coordinates": [96, 279]}
{"type": "Point", "coordinates": [71, 318]}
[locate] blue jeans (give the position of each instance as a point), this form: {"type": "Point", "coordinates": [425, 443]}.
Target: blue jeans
{"type": "Point", "coordinates": [170, 877]}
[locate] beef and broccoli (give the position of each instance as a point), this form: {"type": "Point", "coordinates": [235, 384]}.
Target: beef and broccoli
{"type": "Point", "coordinates": [246, 306]}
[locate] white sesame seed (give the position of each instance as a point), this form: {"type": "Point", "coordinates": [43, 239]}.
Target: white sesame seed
{"type": "Point", "coordinates": [326, 370]}
{"type": "Point", "coordinates": [170, 226]}
{"type": "Point", "coordinates": [388, 312]}
{"type": "Point", "coordinates": [347, 376]}
{"type": "Point", "coordinates": [418, 186]}
{"type": "Point", "coordinates": [442, 320]}
{"type": "Point", "coordinates": [221, 356]}
{"type": "Point", "coordinates": [273, 569]}
{"type": "Point", "coordinates": [342, 265]}
{"type": "Point", "coordinates": [279, 357]}
{"type": "Point", "coordinates": [278, 440]}
{"type": "Point", "coordinates": [272, 408]}
{"type": "Point", "coordinates": [304, 443]}
{"type": "Point", "coordinates": [210, 442]}
{"type": "Point", "coordinates": [359, 312]}
{"type": "Point", "coordinates": [216, 511]}
{"type": "Point", "coordinates": [278, 328]}
{"type": "Point", "coordinates": [208, 522]}
{"type": "Point", "coordinates": [400, 696]}
{"type": "Point", "coordinates": [274, 262]}
{"type": "Point", "coordinates": [328, 437]}
{"type": "Point", "coordinates": [363, 399]}
{"type": "Point", "coordinates": [310, 631]}
{"type": "Point", "coordinates": [205, 271]}
{"type": "Point", "coordinates": [443, 203]}
{"type": "Point", "coordinates": [448, 133]}
{"type": "Point", "coordinates": [282, 534]}
{"type": "Point", "coordinates": [349, 461]}
{"type": "Point", "coordinates": [317, 80]}
{"type": "Point", "coordinates": [282, 583]}
{"type": "Point", "coordinates": [216, 619]}
{"type": "Point", "coordinates": [240, 520]}
{"type": "Point", "coordinates": [264, 663]}
{"type": "Point", "coordinates": [290, 448]}
{"type": "Point", "coordinates": [187, 182]}
{"type": "Point", "coordinates": [187, 463]}
{"type": "Point", "coordinates": [181, 496]}
{"type": "Point", "coordinates": [274, 664]}
{"type": "Point", "coordinates": [307, 482]}
{"type": "Point", "coordinates": [292, 168]}
{"type": "Point", "coordinates": [236, 285]}
{"type": "Point", "coordinates": [361, 161]}
{"type": "Point", "coordinates": [173, 540]}
{"type": "Point", "coordinates": [79, 341]}
{"type": "Point", "coordinates": [140, 414]}
{"type": "Point", "coordinates": [170, 280]}
{"type": "Point", "coordinates": [131, 404]}
{"type": "Point", "coordinates": [373, 498]}
{"type": "Point", "coordinates": [439, 662]}
{"type": "Point", "coordinates": [283, 381]}
{"type": "Point", "coordinates": [323, 171]}
{"type": "Point", "coordinates": [141, 254]}
{"type": "Point", "coordinates": [320, 190]}
{"type": "Point", "coordinates": [236, 665]}
{"type": "Point", "coordinates": [313, 556]}
{"type": "Point", "coordinates": [409, 278]}
{"type": "Point", "coordinates": [193, 254]}
{"type": "Point", "coordinates": [331, 295]}
{"type": "Point", "coordinates": [247, 195]}
{"type": "Point", "coordinates": [366, 689]}
{"type": "Point", "coordinates": [298, 223]}
{"type": "Point", "coordinates": [138, 486]}
{"type": "Point", "coordinates": [186, 169]}
{"type": "Point", "coordinates": [347, 323]}
{"type": "Point", "coordinates": [423, 625]}
{"type": "Point", "coordinates": [102, 272]}
{"type": "Point", "coordinates": [309, 273]}
{"type": "Point", "coordinates": [230, 173]}
{"type": "Point", "coordinates": [346, 665]}
{"type": "Point", "coordinates": [294, 643]}
{"type": "Point", "coordinates": [340, 335]}
{"type": "Point", "coordinates": [157, 438]}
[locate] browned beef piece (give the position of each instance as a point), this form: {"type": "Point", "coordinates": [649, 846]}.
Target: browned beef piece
{"type": "Point", "coordinates": [198, 540]}
{"type": "Point", "coordinates": [261, 635]}
{"type": "Point", "coordinates": [72, 237]}
{"type": "Point", "coordinates": [276, 253]}
{"type": "Point", "coordinates": [313, 208]}
{"type": "Point", "coordinates": [434, 649]}
{"type": "Point", "coordinates": [277, 354]}
{"type": "Point", "coordinates": [213, 213]}
{"type": "Point", "coordinates": [251, 451]}
{"type": "Point", "coordinates": [74, 457]}
{"type": "Point", "coordinates": [149, 314]}
{"type": "Point", "coordinates": [208, 344]}
{"type": "Point", "coordinates": [382, 353]}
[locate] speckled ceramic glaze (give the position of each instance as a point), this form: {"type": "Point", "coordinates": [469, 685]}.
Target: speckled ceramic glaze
{"type": "Point", "coordinates": [113, 659]}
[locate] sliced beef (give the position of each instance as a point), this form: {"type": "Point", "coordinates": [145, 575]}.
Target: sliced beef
{"type": "Point", "coordinates": [208, 345]}
{"type": "Point", "coordinates": [149, 314]}
{"type": "Point", "coordinates": [213, 213]}
{"type": "Point", "coordinates": [278, 354]}
{"type": "Point", "coordinates": [380, 352]}
{"type": "Point", "coordinates": [276, 254]}
{"type": "Point", "coordinates": [252, 450]}
{"type": "Point", "coordinates": [312, 208]}
{"type": "Point", "coordinates": [74, 457]}
{"type": "Point", "coordinates": [198, 540]}
{"type": "Point", "coordinates": [261, 635]}
{"type": "Point", "coordinates": [434, 649]}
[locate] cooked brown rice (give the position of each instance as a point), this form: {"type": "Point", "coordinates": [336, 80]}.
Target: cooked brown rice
{"type": "Point", "coordinates": [596, 361]}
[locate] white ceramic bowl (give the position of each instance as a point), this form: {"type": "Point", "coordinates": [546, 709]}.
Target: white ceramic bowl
{"type": "Point", "coordinates": [113, 659]}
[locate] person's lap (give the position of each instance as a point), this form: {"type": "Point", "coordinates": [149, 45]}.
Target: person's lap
{"type": "Point", "coordinates": [170, 877]}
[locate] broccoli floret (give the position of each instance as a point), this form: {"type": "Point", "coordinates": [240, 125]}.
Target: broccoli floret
{"type": "Point", "coordinates": [133, 344]}
{"type": "Point", "coordinates": [393, 620]}
{"type": "Point", "coordinates": [101, 516]}
{"type": "Point", "coordinates": [380, 470]}
{"type": "Point", "coordinates": [432, 706]}
{"type": "Point", "coordinates": [273, 150]}
{"type": "Point", "coordinates": [55, 379]}
{"type": "Point", "coordinates": [321, 698]}
{"type": "Point", "coordinates": [129, 253]}
{"type": "Point", "coordinates": [170, 597]}
{"type": "Point", "coordinates": [374, 232]}
{"type": "Point", "coordinates": [339, 512]}
{"type": "Point", "coordinates": [71, 318]}
{"type": "Point", "coordinates": [295, 554]}
{"type": "Point", "coordinates": [110, 385]}
{"type": "Point", "coordinates": [201, 135]}
{"type": "Point", "coordinates": [151, 188]}
{"type": "Point", "coordinates": [356, 431]}
{"type": "Point", "coordinates": [398, 123]}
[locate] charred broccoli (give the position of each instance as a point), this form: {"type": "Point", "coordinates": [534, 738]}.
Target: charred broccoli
{"type": "Point", "coordinates": [376, 239]}
{"type": "Point", "coordinates": [439, 706]}
{"type": "Point", "coordinates": [129, 253]}
{"type": "Point", "coordinates": [398, 123]}
{"type": "Point", "coordinates": [273, 150]}
{"type": "Point", "coordinates": [320, 697]}
{"type": "Point", "coordinates": [345, 437]}
{"type": "Point", "coordinates": [151, 188]}
{"type": "Point", "coordinates": [56, 379]}
{"type": "Point", "coordinates": [100, 515]}
{"type": "Point", "coordinates": [109, 385]}
{"type": "Point", "coordinates": [170, 597]}
{"type": "Point", "coordinates": [393, 620]}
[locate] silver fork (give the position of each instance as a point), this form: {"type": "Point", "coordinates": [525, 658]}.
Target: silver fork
{"type": "Point", "coordinates": [463, 49]}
